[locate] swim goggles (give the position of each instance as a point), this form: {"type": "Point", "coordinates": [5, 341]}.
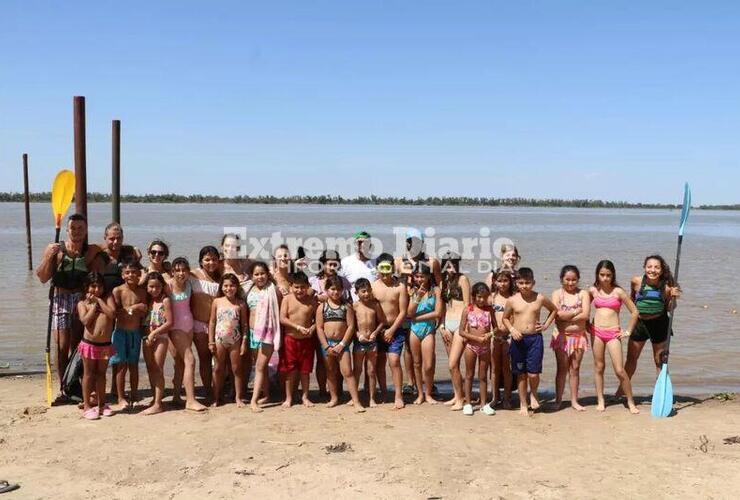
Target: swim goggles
{"type": "Point", "coordinates": [385, 268]}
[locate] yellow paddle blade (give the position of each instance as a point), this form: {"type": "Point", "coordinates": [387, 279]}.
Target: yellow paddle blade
{"type": "Point", "coordinates": [61, 194]}
{"type": "Point", "coordinates": [48, 380]}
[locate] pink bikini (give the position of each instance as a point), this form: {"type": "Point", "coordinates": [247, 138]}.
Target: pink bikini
{"type": "Point", "coordinates": [569, 342]}
{"type": "Point", "coordinates": [612, 332]}
{"type": "Point", "coordinates": [479, 319]}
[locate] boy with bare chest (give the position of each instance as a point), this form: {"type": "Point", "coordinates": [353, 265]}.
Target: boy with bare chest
{"type": "Point", "coordinates": [522, 319]}
{"type": "Point", "coordinates": [297, 313]}
{"type": "Point", "coordinates": [131, 307]}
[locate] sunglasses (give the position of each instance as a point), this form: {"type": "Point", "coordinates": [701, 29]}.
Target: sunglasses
{"type": "Point", "coordinates": [156, 252]}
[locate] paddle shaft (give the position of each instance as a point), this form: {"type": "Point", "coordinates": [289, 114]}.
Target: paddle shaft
{"type": "Point", "coordinates": [51, 300]}
{"type": "Point", "coordinates": [666, 352]}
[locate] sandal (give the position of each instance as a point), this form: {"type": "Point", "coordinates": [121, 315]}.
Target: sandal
{"type": "Point", "coordinates": [6, 487]}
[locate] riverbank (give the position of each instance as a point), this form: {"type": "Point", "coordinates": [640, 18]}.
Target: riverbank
{"type": "Point", "coordinates": [419, 452]}
{"type": "Point", "coordinates": [326, 199]}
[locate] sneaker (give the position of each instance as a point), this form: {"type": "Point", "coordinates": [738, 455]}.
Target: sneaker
{"type": "Point", "coordinates": [468, 409]}
{"type": "Point", "coordinates": [91, 414]}
{"type": "Point", "coordinates": [488, 410]}
{"type": "Point", "coordinates": [107, 412]}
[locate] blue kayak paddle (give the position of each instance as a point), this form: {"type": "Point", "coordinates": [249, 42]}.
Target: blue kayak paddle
{"type": "Point", "coordinates": [662, 403]}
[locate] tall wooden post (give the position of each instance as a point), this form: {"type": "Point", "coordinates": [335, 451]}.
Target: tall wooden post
{"type": "Point", "coordinates": [80, 156]}
{"type": "Point", "coordinates": [116, 171]}
{"type": "Point", "coordinates": [27, 202]}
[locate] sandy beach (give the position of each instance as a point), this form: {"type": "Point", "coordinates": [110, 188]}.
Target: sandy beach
{"type": "Point", "coordinates": [419, 452]}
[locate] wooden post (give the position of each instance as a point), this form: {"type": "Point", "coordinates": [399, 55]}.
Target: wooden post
{"type": "Point", "coordinates": [27, 202]}
{"type": "Point", "coordinates": [116, 171]}
{"type": "Point", "coordinates": [80, 156]}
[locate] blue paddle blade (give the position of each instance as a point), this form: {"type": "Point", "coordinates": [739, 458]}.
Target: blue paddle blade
{"type": "Point", "coordinates": [686, 208]}
{"type": "Point", "coordinates": [662, 403]}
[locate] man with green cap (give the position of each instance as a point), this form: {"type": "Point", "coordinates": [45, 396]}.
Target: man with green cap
{"type": "Point", "coordinates": [359, 264]}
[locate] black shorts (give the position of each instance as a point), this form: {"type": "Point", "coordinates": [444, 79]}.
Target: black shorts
{"type": "Point", "coordinates": [655, 329]}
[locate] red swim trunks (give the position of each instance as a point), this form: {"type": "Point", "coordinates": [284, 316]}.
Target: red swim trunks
{"type": "Point", "coordinates": [296, 355]}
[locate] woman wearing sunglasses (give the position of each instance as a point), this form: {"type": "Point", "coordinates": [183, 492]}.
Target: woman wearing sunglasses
{"type": "Point", "coordinates": [157, 252]}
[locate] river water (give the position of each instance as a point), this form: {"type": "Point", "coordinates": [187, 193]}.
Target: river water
{"type": "Point", "coordinates": [705, 351]}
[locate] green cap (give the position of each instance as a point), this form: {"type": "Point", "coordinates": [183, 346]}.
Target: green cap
{"type": "Point", "coordinates": [361, 235]}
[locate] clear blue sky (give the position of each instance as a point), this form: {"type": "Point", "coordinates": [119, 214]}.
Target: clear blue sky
{"type": "Point", "coordinates": [611, 100]}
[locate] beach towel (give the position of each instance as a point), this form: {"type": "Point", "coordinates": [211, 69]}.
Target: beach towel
{"type": "Point", "coordinates": [266, 327]}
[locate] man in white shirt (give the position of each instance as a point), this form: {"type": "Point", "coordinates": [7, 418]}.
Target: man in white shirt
{"type": "Point", "coordinates": [359, 264]}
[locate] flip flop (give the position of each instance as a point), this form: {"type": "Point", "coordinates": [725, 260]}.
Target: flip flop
{"type": "Point", "coordinates": [6, 487]}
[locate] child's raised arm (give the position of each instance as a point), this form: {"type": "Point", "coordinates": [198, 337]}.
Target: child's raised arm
{"type": "Point", "coordinates": [547, 303]}
{"type": "Point", "coordinates": [585, 312]}
{"type": "Point", "coordinates": [411, 307]}
{"type": "Point", "coordinates": [438, 305]}
{"type": "Point", "coordinates": [87, 312]}
{"type": "Point", "coordinates": [108, 307]}
{"type": "Point", "coordinates": [168, 320]}
{"type": "Point", "coordinates": [562, 315]}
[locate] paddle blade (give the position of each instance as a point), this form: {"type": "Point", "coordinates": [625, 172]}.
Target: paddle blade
{"type": "Point", "coordinates": [662, 403]}
{"type": "Point", "coordinates": [62, 192]}
{"type": "Point", "coordinates": [686, 208]}
{"type": "Point", "coordinates": [48, 379]}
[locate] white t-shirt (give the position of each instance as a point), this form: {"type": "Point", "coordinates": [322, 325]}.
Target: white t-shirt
{"type": "Point", "coordinates": [353, 269]}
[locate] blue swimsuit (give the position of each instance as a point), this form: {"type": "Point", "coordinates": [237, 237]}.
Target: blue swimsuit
{"type": "Point", "coordinates": [423, 328]}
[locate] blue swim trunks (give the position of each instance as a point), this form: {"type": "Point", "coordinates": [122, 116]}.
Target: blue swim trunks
{"type": "Point", "coordinates": [526, 354]}
{"type": "Point", "coordinates": [332, 343]}
{"type": "Point", "coordinates": [128, 346]}
{"type": "Point", "coordinates": [395, 346]}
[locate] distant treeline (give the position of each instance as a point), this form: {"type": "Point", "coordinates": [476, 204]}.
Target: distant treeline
{"type": "Point", "coordinates": [456, 201]}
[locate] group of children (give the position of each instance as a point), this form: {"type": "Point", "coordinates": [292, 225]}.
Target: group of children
{"type": "Point", "coordinates": [273, 321]}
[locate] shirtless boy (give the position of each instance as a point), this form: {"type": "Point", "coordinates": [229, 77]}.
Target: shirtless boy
{"type": "Point", "coordinates": [297, 314]}
{"type": "Point", "coordinates": [131, 307]}
{"type": "Point", "coordinates": [369, 316]}
{"type": "Point", "coordinates": [393, 298]}
{"type": "Point", "coordinates": [522, 318]}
